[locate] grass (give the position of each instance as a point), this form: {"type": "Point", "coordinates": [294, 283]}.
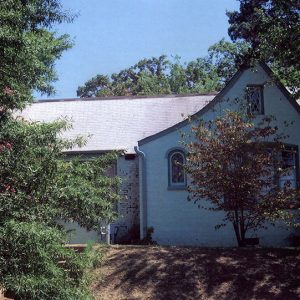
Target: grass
{"type": "Point", "coordinates": [147, 272]}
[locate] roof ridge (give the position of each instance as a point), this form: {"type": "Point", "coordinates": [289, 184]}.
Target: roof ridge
{"type": "Point", "coordinates": [137, 97]}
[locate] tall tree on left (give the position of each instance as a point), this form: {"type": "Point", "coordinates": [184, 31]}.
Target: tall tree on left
{"type": "Point", "coordinates": [28, 49]}
{"type": "Point", "coordinates": [37, 186]}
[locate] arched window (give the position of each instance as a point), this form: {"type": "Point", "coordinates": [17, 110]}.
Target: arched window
{"type": "Point", "coordinates": [177, 176]}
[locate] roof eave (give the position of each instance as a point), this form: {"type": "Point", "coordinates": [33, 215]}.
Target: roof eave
{"type": "Point", "coordinates": [281, 87]}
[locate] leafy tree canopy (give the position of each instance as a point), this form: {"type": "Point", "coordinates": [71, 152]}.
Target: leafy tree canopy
{"type": "Point", "coordinates": [156, 76]}
{"type": "Point", "coordinates": [272, 29]}
{"type": "Point", "coordinates": [39, 185]}
{"type": "Point", "coordinates": [28, 50]}
{"type": "Point", "coordinates": [235, 166]}
{"type": "Point", "coordinates": [30, 253]}
{"type": "Point", "coordinates": [263, 30]}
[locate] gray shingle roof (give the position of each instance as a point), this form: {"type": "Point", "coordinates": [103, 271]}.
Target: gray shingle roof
{"type": "Point", "coordinates": [117, 123]}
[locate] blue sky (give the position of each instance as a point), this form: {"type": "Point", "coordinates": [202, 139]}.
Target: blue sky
{"type": "Point", "coordinates": [111, 35]}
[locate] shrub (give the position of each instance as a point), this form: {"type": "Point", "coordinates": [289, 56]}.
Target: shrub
{"type": "Point", "coordinates": [35, 264]}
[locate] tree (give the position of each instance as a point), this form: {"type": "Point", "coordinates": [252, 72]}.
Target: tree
{"type": "Point", "coordinates": [263, 30]}
{"type": "Point", "coordinates": [233, 165]}
{"type": "Point", "coordinates": [38, 184]}
{"type": "Point", "coordinates": [272, 29]}
{"type": "Point", "coordinates": [157, 76]}
{"type": "Point", "coordinates": [198, 76]}
{"type": "Point", "coordinates": [28, 50]}
{"type": "Point", "coordinates": [32, 267]}
{"type": "Point", "coordinates": [227, 57]}
{"type": "Point", "coordinates": [146, 77]}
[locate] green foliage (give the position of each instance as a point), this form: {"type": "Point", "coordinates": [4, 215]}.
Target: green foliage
{"type": "Point", "coordinates": [197, 76]}
{"type": "Point", "coordinates": [87, 195]}
{"type": "Point", "coordinates": [38, 184]}
{"type": "Point", "coordinates": [157, 76]}
{"type": "Point", "coordinates": [233, 164]}
{"type": "Point", "coordinates": [28, 51]}
{"type": "Point", "coordinates": [36, 265]}
{"type": "Point", "coordinates": [262, 30]}
{"type": "Point", "coordinates": [147, 77]}
{"type": "Point", "coordinates": [227, 57]}
{"type": "Point", "coordinates": [272, 29]}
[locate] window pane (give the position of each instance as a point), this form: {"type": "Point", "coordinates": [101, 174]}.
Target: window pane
{"type": "Point", "coordinates": [177, 172]}
{"type": "Point", "coordinates": [255, 99]}
{"type": "Point", "coordinates": [288, 164]}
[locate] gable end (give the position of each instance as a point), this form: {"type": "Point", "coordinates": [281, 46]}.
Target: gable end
{"type": "Point", "coordinates": [218, 97]}
{"type": "Point", "coordinates": [207, 107]}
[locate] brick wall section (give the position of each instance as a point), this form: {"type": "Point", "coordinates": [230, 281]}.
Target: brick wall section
{"type": "Point", "coordinates": [128, 208]}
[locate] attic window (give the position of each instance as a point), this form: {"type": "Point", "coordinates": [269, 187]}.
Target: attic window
{"type": "Point", "coordinates": [255, 99]}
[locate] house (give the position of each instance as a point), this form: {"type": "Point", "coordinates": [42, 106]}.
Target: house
{"type": "Point", "coordinates": [117, 123]}
{"type": "Point", "coordinates": [149, 130]}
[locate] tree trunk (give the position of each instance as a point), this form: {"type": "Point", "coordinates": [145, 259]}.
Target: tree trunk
{"type": "Point", "coordinates": [239, 229]}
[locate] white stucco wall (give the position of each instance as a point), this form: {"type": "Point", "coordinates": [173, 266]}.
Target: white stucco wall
{"type": "Point", "coordinates": [179, 222]}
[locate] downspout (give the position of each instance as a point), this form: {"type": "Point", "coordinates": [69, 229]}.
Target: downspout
{"type": "Point", "coordinates": [142, 191]}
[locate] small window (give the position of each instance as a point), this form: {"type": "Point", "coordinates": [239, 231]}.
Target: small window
{"type": "Point", "coordinates": [177, 176]}
{"type": "Point", "coordinates": [255, 99]}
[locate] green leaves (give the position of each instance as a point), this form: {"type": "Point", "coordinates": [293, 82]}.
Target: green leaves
{"type": "Point", "coordinates": [85, 193]}
{"type": "Point", "coordinates": [272, 29]}
{"type": "Point", "coordinates": [38, 185]}
{"type": "Point", "coordinates": [31, 256]}
{"type": "Point", "coordinates": [157, 76]}
{"type": "Point", "coordinates": [28, 50]}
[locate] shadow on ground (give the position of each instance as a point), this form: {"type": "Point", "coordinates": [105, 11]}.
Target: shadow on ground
{"type": "Point", "coordinates": [195, 273]}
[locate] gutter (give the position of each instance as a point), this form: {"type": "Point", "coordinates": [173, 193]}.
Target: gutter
{"type": "Point", "coordinates": [142, 192]}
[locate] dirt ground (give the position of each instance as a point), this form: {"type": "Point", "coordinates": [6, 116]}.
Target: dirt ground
{"type": "Point", "coordinates": [147, 272]}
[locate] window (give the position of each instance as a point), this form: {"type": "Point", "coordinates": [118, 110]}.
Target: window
{"type": "Point", "coordinates": [177, 176]}
{"type": "Point", "coordinates": [255, 99]}
{"type": "Point", "coordinates": [288, 161]}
